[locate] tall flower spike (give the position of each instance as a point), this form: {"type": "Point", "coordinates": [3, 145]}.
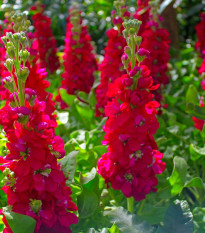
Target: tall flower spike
{"type": "Point", "coordinates": [44, 41]}
{"type": "Point", "coordinates": [156, 40]}
{"type": "Point", "coordinates": [132, 160]}
{"type": "Point", "coordinates": [34, 183]}
{"type": "Point", "coordinates": [112, 67]}
{"type": "Point", "coordinates": [79, 61]}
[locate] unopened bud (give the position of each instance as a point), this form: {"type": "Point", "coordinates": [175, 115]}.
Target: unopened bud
{"type": "Point", "coordinates": [4, 39]}
{"type": "Point", "coordinates": [125, 60]}
{"type": "Point", "coordinates": [134, 71]}
{"type": "Point", "coordinates": [143, 52]}
{"type": "Point", "coordinates": [35, 205]}
{"type": "Point", "coordinates": [138, 40]}
{"type": "Point", "coordinates": [127, 50]}
{"type": "Point", "coordinates": [17, 37]}
{"type": "Point", "coordinates": [9, 35]}
{"type": "Point", "coordinates": [10, 52]}
{"type": "Point", "coordinates": [125, 33]}
{"type": "Point", "coordinates": [24, 55]}
{"type": "Point", "coordinates": [23, 73]}
{"type": "Point", "coordinates": [8, 84]}
{"type": "Point", "coordinates": [9, 64]}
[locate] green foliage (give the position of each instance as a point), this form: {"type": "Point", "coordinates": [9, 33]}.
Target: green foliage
{"type": "Point", "coordinates": [19, 223]}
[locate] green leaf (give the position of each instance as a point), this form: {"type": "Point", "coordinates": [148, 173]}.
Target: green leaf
{"type": "Point", "coordinates": [195, 182]}
{"type": "Point", "coordinates": [192, 95]}
{"type": "Point", "coordinates": [196, 152]}
{"type": "Point", "coordinates": [100, 150]}
{"type": "Point", "coordinates": [87, 203]}
{"type": "Point", "coordinates": [68, 165]}
{"type": "Point", "coordinates": [195, 110]}
{"type": "Point", "coordinates": [127, 222]}
{"type": "Point", "coordinates": [178, 177]}
{"type": "Point", "coordinates": [199, 219]}
{"type": "Point", "coordinates": [89, 176]}
{"type": "Point", "coordinates": [178, 219]}
{"type": "Point", "coordinates": [114, 229]}
{"type": "Point", "coordinates": [68, 99]}
{"type": "Point", "coordinates": [19, 223]}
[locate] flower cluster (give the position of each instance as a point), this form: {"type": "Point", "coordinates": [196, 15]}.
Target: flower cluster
{"type": "Point", "coordinates": [156, 40]}
{"type": "Point", "coordinates": [44, 41]}
{"type": "Point", "coordinates": [200, 47]}
{"type": "Point", "coordinates": [34, 183]}
{"type": "Point", "coordinates": [132, 160]}
{"type": "Point", "coordinates": [79, 60]}
{"type": "Point", "coordinates": [112, 67]}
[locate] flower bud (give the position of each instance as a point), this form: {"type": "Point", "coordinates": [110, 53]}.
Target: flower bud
{"type": "Point", "coordinates": [143, 52]}
{"type": "Point", "coordinates": [24, 55]}
{"type": "Point", "coordinates": [23, 73]}
{"type": "Point", "coordinates": [125, 60]}
{"type": "Point", "coordinates": [125, 33]}
{"type": "Point", "coordinates": [9, 35]}
{"type": "Point", "coordinates": [17, 37]}
{"type": "Point", "coordinates": [4, 40]}
{"type": "Point", "coordinates": [127, 50]}
{"type": "Point", "coordinates": [9, 64]}
{"type": "Point", "coordinates": [134, 71]}
{"type": "Point", "coordinates": [10, 52]}
{"type": "Point", "coordinates": [35, 205]}
{"type": "Point", "coordinates": [8, 83]}
{"type": "Point", "coordinates": [138, 40]}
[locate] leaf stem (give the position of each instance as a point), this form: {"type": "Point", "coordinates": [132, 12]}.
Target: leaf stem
{"type": "Point", "coordinates": [130, 204]}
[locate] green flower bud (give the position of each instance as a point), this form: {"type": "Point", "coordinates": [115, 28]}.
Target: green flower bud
{"type": "Point", "coordinates": [138, 40]}
{"type": "Point", "coordinates": [8, 84]}
{"type": "Point", "coordinates": [23, 73]}
{"type": "Point", "coordinates": [125, 33]}
{"type": "Point", "coordinates": [16, 27]}
{"type": "Point", "coordinates": [132, 31]}
{"type": "Point", "coordinates": [10, 52]}
{"type": "Point", "coordinates": [9, 35]}
{"type": "Point", "coordinates": [4, 39]}
{"type": "Point", "coordinates": [17, 37]}
{"type": "Point", "coordinates": [127, 50]}
{"type": "Point", "coordinates": [24, 54]}
{"type": "Point", "coordinates": [23, 41]}
{"type": "Point", "coordinates": [35, 205]}
{"type": "Point", "coordinates": [9, 64]}
{"type": "Point", "coordinates": [28, 23]}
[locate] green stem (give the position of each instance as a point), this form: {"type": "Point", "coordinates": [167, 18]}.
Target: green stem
{"type": "Point", "coordinates": [20, 83]}
{"type": "Point", "coordinates": [132, 53]}
{"type": "Point", "coordinates": [130, 204]}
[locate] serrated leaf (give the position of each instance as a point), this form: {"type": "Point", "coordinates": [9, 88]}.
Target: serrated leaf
{"type": "Point", "coordinates": [68, 165]}
{"type": "Point", "coordinates": [178, 177]}
{"type": "Point", "coordinates": [178, 219]}
{"type": "Point", "coordinates": [127, 222]}
{"type": "Point", "coordinates": [196, 152]}
{"type": "Point", "coordinates": [19, 223]}
{"type": "Point", "coordinates": [87, 203]}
